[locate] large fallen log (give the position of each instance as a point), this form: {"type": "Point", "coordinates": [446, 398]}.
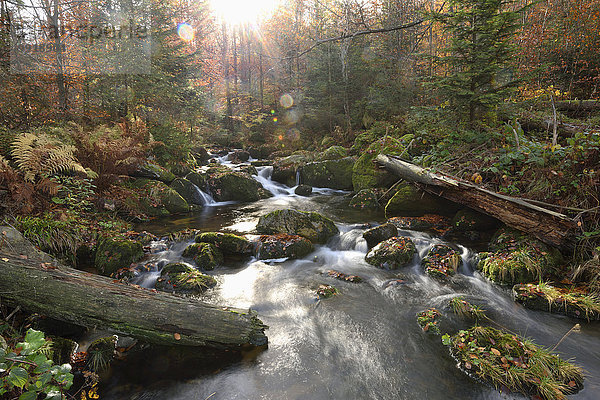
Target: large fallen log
{"type": "Point", "coordinates": [550, 227]}
{"type": "Point", "coordinates": [41, 285]}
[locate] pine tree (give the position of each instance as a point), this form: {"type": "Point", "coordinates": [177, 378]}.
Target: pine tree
{"type": "Point", "coordinates": [480, 47]}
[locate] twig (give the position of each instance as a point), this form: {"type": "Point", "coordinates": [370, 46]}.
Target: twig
{"type": "Point", "coordinates": [16, 310]}
{"type": "Point", "coordinates": [389, 190]}
{"type": "Point", "coordinates": [212, 394]}
{"type": "Point", "coordinates": [576, 328]}
{"type": "Point", "coordinates": [541, 203]}
{"type": "Point", "coordinates": [23, 362]}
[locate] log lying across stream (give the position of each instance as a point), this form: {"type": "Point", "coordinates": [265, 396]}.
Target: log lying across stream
{"type": "Point", "coordinates": [551, 227]}
{"type": "Point", "coordinates": [48, 288]}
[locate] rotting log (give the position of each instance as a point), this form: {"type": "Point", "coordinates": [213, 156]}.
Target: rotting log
{"type": "Point", "coordinates": [84, 299]}
{"type": "Point", "coordinates": [529, 121]}
{"type": "Point", "coordinates": [551, 227]}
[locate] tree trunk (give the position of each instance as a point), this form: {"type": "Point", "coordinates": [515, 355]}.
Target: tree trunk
{"type": "Point", "coordinates": [551, 227]}
{"type": "Point", "coordinates": [531, 122]}
{"type": "Point", "coordinates": [91, 300]}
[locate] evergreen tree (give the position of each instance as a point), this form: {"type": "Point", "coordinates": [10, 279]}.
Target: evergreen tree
{"type": "Point", "coordinates": [480, 47]}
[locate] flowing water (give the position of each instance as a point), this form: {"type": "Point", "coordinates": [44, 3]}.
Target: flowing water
{"type": "Point", "coordinates": [361, 344]}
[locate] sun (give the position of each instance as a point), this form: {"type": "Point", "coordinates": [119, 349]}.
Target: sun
{"type": "Point", "coordinates": [243, 11]}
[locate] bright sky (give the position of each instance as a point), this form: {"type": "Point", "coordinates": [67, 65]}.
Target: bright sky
{"type": "Point", "coordinates": [242, 11]}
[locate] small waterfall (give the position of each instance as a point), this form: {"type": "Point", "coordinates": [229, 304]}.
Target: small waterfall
{"type": "Point", "coordinates": [204, 198]}
{"type": "Point", "coordinates": [297, 176]}
{"type": "Point", "coordinates": [264, 178]}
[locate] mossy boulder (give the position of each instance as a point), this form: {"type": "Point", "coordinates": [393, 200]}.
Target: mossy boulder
{"type": "Point", "coordinates": [285, 169]}
{"type": "Point", "coordinates": [228, 185]}
{"type": "Point", "coordinates": [239, 156]}
{"type": "Point", "coordinates": [333, 153]}
{"type": "Point", "coordinates": [228, 243]}
{"type": "Point", "coordinates": [113, 254]}
{"type": "Point", "coordinates": [441, 261]}
{"type": "Point", "coordinates": [376, 235]}
{"type": "Point", "coordinates": [187, 190]}
{"type": "Point", "coordinates": [365, 174]}
{"type": "Point", "coordinates": [248, 169]}
{"type": "Point", "coordinates": [470, 220]}
{"type": "Point", "coordinates": [334, 174]}
{"type": "Point", "coordinates": [365, 199]}
{"type": "Point", "coordinates": [516, 257]}
{"type": "Point", "coordinates": [197, 178]}
{"type": "Point", "coordinates": [206, 255]}
{"type": "Point", "coordinates": [573, 302]}
{"type": "Point", "coordinates": [311, 225]}
{"type": "Point", "coordinates": [393, 253]}
{"type": "Point", "coordinates": [327, 142]}
{"type": "Point", "coordinates": [410, 201]}
{"type": "Point", "coordinates": [154, 171]}
{"type": "Point", "coordinates": [428, 222]}
{"type": "Point", "coordinates": [303, 190]}
{"type": "Point", "coordinates": [182, 278]}
{"type": "Point", "coordinates": [282, 246]}
{"type": "Point", "coordinates": [156, 199]}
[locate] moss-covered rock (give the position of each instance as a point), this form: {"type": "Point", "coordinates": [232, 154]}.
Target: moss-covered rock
{"type": "Point", "coordinates": [228, 243]}
{"type": "Point", "coordinates": [282, 246]}
{"type": "Point", "coordinates": [335, 174]}
{"type": "Point", "coordinates": [154, 171]}
{"type": "Point", "coordinates": [187, 190]}
{"type": "Point", "coordinates": [365, 199]}
{"type": "Point", "coordinates": [505, 360]}
{"type": "Point", "coordinates": [228, 185]}
{"type": "Point", "coordinates": [376, 235]}
{"type": "Point", "coordinates": [573, 302]}
{"type": "Point", "coordinates": [197, 178]}
{"type": "Point", "coordinates": [101, 353]}
{"type": "Point", "coordinates": [327, 142]}
{"type": "Point", "coordinates": [285, 169]}
{"type": "Point", "coordinates": [333, 153]}
{"type": "Point", "coordinates": [113, 254]}
{"type": "Point", "coordinates": [327, 291]}
{"type": "Point", "coordinates": [206, 255]}
{"type": "Point", "coordinates": [365, 174]}
{"type": "Point", "coordinates": [311, 225]}
{"type": "Point", "coordinates": [303, 190]}
{"type": "Point", "coordinates": [410, 201]}
{"type": "Point", "coordinates": [393, 253]}
{"type": "Point", "coordinates": [248, 169]}
{"type": "Point", "coordinates": [181, 278]}
{"type": "Point", "coordinates": [469, 220]}
{"type": "Point", "coordinates": [156, 199]}
{"type": "Point", "coordinates": [518, 258]}
{"type": "Point", "coordinates": [239, 156]}
{"type": "Point", "coordinates": [441, 261]}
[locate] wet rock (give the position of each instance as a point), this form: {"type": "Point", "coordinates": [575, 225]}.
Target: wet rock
{"type": "Point", "coordinates": [62, 349]}
{"type": "Point", "coordinates": [376, 235]}
{"type": "Point", "coordinates": [334, 174]}
{"type": "Point", "coordinates": [154, 171]}
{"type": "Point", "coordinates": [228, 185]}
{"type": "Point", "coordinates": [441, 261]}
{"type": "Point", "coordinates": [285, 169]}
{"type": "Point", "coordinates": [200, 154]}
{"type": "Point", "coordinates": [187, 190]}
{"type": "Point", "coordinates": [282, 246]}
{"type": "Point", "coordinates": [575, 303]}
{"type": "Point", "coordinates": [410, 201]}
{"type": "Point", "coordinates": [326, 291]}
{"type": "Point", "coordinates": [334, 153]}
{"type": "Point", "coordinates": [261, 152]}
{"type": "Point", "coordinates": [248, 169]}
{"type": "Point", "coordinates": [100, 353]}
{"type": "Point", "coordinates": [366, 174]}
{"type": "Point", "coordinates": [206, 255]}
{"type": "Point", "coordinates": [181, 278]}
{"type": "Point", "coordinates": [311, 225]}
{"type": "Point", "coordinates": [343, 277]}
{"type": "Point", "coordinates": [393, 253]}
{"type": "Point", "coordinates": [303, 190]}
{"type": "Point", "coordinates": [365, 199]}
{"type": "Point", "coordinates": [516, 257]}
{"type": "Point", "coordinates": [228, 243]}
{"type": "Point", "coordinates": [428, 222]}
{"type": "Point", "coordinates": [469, 220]}
{"type": "Point", "coordinates": [156, 199]}
{"type": "Point", "coordinates": [239, 156]}
{"type": "Point", "coordinates": [113, 254]}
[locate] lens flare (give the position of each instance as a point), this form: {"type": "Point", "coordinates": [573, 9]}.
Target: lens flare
{"type": "Point", "coordinates": [286, 101]}
{"type": "Point", "coordinates": [186, 32]}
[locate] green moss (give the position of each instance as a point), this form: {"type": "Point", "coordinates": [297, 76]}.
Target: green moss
{"type": "Point", "coordinates": [393, 253]}
{"type": "Point", "coordinates": [427, 321]}
{"type": "Point", "coordinates": [327, 291]}
{"type": "Point", "coordinates": [283, 246]}
{"type": "Point", "coordinates": [409, 201]}
{"type": "Point", "coordinates": [154, 171]}
{"type": "Point", "coordinates": [365, 174]}
{"type": "Point", "coordinates": [207, 256]}
{"type": "Point", "coordinates": [574, 302]}
{"type": "Point", "coordinates": [228, 243]}
{"type": "Point", "coordinates": [311, 225]}
{"type": "Point", "coordinates": [333, 153]}
{"type": "Point", "coordinates": [101, 353]}
{"type": "Point", "coordinates": [115, 253]}
{"type": "Point", "coordinates": [507, 361]}
{"type": "Point", "coordinates": [365, 199]}
{"type": "Point", "coordinates": [227, 185]}
{"type": "Point", "coordinates": [335, 174]}
{"type": "Point", "coordinates": [181, 278]}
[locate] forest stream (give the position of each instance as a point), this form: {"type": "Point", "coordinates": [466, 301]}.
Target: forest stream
{"type": "Point", "coordinates": [363, 343]}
